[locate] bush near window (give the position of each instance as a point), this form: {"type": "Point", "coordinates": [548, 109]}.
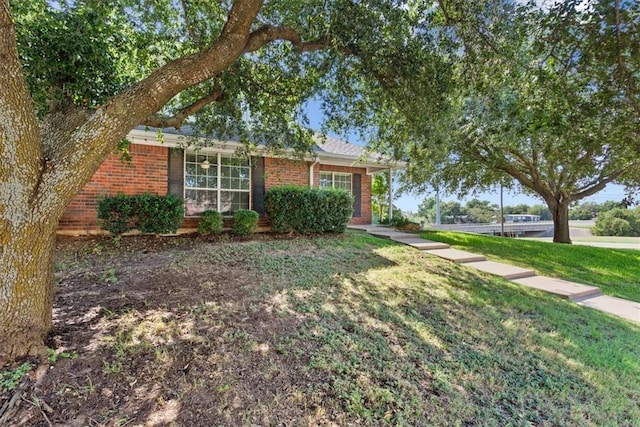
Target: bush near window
{"type": "Point", "coordinates": [116, 213]}
{"type": "Point", "coordinates": [618, 222]}
{"type": "Point", "coordinates": [210, 223]}
{"type": "Point", "coordinates": [244, 222]}
{"type": "Point", "coordinates": [159, 214]}
{"type": "Point", "coordinates": [308, 210]}
{"type": "Point", "coordinates": [149, 213]}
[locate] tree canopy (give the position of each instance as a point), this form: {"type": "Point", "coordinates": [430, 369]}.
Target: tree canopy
{"type": "Point", "coordinates": [546, 99]}
{"type": "Point", "coordinates": [77, 75]}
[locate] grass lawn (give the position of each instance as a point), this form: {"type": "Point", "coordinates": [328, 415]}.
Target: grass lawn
{"type": "Point", "coordinates": [615, 271]}
{"type": "Point", "coordinates": [339, 330]}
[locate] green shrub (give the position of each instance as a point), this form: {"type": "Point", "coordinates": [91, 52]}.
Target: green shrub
{"type": "Point", "coordinates": [148, 213]}
{"type": "Point", "coordinates": [210, 223]}
{"type": "Point", "coordinates": [617, 222]}
{"type": "Point", "coordinates": [244, 222]}
{"type": "Point", "coordinates": [116, 213]}
{"type": "Point", "coordinates": [399, 220]}
{"type": "Point", "coordinates": [159, 214]}
{"type": "Point", "coordinates": [308, 210]}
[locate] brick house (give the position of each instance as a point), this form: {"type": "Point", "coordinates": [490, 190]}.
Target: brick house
{"type": "Point", "coordinates": [216, 178]}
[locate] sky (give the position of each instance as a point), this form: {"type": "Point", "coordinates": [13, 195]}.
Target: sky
{"type": "Point", "coordinates": [410, 202]}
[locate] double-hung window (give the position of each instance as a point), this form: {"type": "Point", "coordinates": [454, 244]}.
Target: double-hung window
{"type": "Point", "coordinates": [213, 181]}
{"type": "Point", "coordinates": [336, 180]}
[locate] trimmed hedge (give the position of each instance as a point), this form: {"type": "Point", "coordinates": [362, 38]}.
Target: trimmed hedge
{"type": "Point", "coordinates": [149, 213]}
{"type": "Point", "coordinates": [116, 213]}
{"type": "Point", "coordinates": [159, 214]}
{"type": "Point", "coordinates": [308, 210]}
{"type": "Point", "coordinates": [210, 223]}
{"type": "Point", "coordinates": [245, 222]}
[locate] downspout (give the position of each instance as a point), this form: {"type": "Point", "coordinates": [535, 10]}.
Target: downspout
{"type": "Point", "coordinates": [311, 172]}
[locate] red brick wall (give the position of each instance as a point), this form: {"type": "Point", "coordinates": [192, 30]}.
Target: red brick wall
{"type": "Point", "coordinates": [365, 204]}
{"type": "Point", "coordinates": [147, 173]}
{"type": "Point", "coordinates": [285, 172]}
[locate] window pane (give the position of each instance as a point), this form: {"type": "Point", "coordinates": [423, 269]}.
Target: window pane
{"type": "Point", "coordinates": [198, 201]}
{"type": "Point", "coordinates": [234, 161]}
{"type": "Point", "coordinates": [343, 182]}
{"type": "Point", "coordinates": [231, 201]}
{"type": "Point", "coordinates": [325, 180]}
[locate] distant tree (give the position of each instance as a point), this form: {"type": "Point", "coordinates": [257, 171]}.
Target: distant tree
{"type": "Point", "coordinates": [452, 212]}
{"type": "Point", "coordinates": [482, 211]}
{"type": "Point", "coordinates": [542, 211]}
{"type": "Point", "coordinates": [521, 208]}
{"type": "Point", "coordinates": [590, 210]}
{"type": "Point", "coordinates": [609, 205]}
{"type": "Point", "coordinates": [618, 222]}
{"type": "Point", "coordinates": [584, 211]}
{"type": "Point", "coordinates": [427, 209]}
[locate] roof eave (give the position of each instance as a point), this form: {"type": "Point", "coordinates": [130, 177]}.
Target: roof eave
{"type": "Point", "coordinates": [145, 137]}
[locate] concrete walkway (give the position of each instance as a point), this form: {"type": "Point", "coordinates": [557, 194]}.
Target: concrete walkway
{"type": "Point", "coordinates": [588, 296]}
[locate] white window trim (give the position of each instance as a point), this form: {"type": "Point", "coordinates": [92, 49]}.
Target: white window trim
{"type": "Point", "coordinates": [218, 156]}
{"type": "Point", "coordinates": [333, 178]}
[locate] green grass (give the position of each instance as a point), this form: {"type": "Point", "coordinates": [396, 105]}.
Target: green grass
{"type": "Point", "coordinates": [356, 330]}
{"type": "Point", "coordinates": [406, 339]}
{"type": "Point", "coordinates": [615, 271]}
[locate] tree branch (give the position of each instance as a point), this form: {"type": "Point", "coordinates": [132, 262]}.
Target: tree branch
{"type": "Point", "coordinates": [269, 33]}
{"type": "Point", "coordinates": [175, 121]}
{"type": "Point", "coordinates": [187, 22]}
{"type": "Point", "coordinates": [18, 122]}
{"type": "Point", "coordinates": [99, 134]}
{"type": "Point", "coordinates": [603, 182]}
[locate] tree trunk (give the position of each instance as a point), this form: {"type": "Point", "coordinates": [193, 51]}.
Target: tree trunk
{"type": "Point", "coordinates": [560, 214]}
{"type": "Point", "coordinates": [26, 291]}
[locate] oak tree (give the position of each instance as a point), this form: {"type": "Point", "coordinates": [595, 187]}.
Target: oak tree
{"type": "Point", "coordinates": [77, 75]}
{"type": "Point", "coordinates": [543, 98]}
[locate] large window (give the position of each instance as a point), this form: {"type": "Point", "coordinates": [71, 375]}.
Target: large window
{"type": "Point", "coordinates": [216, 182]}
{"type": "Point", "coordinates": [336, 180]}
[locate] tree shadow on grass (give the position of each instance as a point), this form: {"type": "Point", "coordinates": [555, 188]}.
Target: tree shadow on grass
{"type": "Point", "coordinates": [326, 330]}
{"type": "Point", "coordinates": [192, 335]}
{"type": "Point", "coordinates": [501, 354]}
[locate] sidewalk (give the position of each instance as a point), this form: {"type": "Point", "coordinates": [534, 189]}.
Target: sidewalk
{"type": "Point", "coordinates": [588, 296]}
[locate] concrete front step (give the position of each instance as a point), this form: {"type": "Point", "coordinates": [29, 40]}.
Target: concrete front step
{"type": "Point", "coordinates": [506, 271]}
{"type": "Point", "coordinates": [390, 234]}
{"type": "Point", "coordinates": [456, 255]}
{"type": "Point", "coordinates": [562, 288]}
{"type": "Point", "coordinates": [629, 310]}
{"type": "Point", "coordinates": [418, 243]}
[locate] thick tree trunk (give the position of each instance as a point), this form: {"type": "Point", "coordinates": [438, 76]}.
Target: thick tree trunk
{"type": "Point", "coordinates": [26, 291]}
{"type": "Point", "coordinates": [560, 214]}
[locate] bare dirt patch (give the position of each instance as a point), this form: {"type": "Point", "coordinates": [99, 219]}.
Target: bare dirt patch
{"type": "Point", "coordinates": [170, 330]}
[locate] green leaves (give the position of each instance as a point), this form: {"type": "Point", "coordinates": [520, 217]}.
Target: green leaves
{"type": "Point", "coordinates": [73, 54]}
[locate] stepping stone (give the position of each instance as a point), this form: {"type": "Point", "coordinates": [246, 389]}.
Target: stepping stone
{"type": "Point", "coordinates": [418, 243]}
{"type": "Point", "coordinates": [457, 256]}
{"type": "Point", "coordinates": [506, 271]}
{"type": "Point", "coordinates": [389, 234]}
{"type": "Point", "coordinates": [562, 288]}
{"type": "Point", "coordinates": [629, 310]}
